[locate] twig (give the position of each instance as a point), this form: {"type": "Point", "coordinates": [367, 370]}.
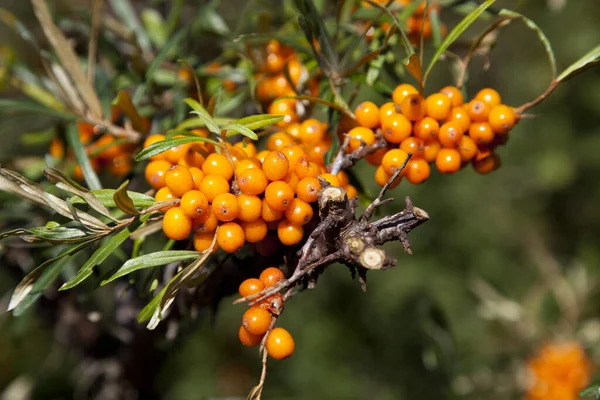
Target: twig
{"type": "Point", "coordinates": [93, 43]}
{"type": "Point", "coordinates": [521, 109]}
{"type": "Point", "coordinates": [345, 160]}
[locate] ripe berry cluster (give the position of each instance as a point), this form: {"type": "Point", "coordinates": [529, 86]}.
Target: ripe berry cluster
{"type": "Point", "coordinates": [257, 320]}
{"type": "Point", "coordinates": [440, 129]}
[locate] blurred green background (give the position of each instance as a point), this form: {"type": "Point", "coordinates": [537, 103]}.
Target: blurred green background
{"type": "Point", "coordinates": [455, 320]}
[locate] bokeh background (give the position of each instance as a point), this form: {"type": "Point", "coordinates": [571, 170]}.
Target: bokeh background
{"type": "Point", "coordinates": [458, 319]}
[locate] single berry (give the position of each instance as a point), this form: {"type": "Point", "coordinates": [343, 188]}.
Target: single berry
{"type": "Point", "coordinates": [392, 160]}
{"type": "Point", "coordinates": [179, 180]}
{"type": "Point", "coordinates": [217, 164]}
{"type": "Point", "coordinates": [396, 128]}
{"type": "Point", "coordinates": [430, 150]}
{"type": "Point", "coordinates": [275, 165]}
{"type": "Point", "coordinates": [438, 106]}
{"type": "Point", "coordinates": [478, 110]}
{"type": "Point", "coordinates": [269, 214]}
{"type": "Point", "coordinates": [417, 171]}
{"type": "Point", "coordinates": [255, 231]}
{"type": "Point", "coordinates": [271, 276]}
{"type": "Point", "coordinates": [450, 134]}
{"type": "Point", "coordinates": [360, 136]}
{"type": "Point", "coordinates": [426, 129]}
{"type": "Point", "coordinates": [251, 286]}
{"type": "Point", "coordinates": [256, 320]}
{"type": "Point", "coordinates": [481, 133]}
{"type": "Point", "coordinates": [489, 96]}
{"type": "Point", "coordinates": [203, 241]}
{"type": "Point", "coordinates": [367, 114]}
{"type": "Point", "coordinates": [279, 344]}
{"type": "Point", "coordinates": [279, 140]}
{"type": "Point", "coordinates": [413, 107]}
{"type": "Point", "coordinates": [502, 119]}
{"type": "Point", "coordinates": [448, 160]}
{"type": "Point", "coordinates": [413, 145]}
{"type": "Point", "coordinates": [164, 194]}
{"type": "Point", "coordinates": [213, 185]}
{"type": "Point", "coordinates": [248, 339]}
{"type": "Point", "coordinates": [230, 237]}
{"type": "Point", "coordinates": [252, 181]}
{"type": "Point", "coordinates": [249, 207]}
{"type": "Point", "coordinates": [308, 189]}
{"type": "Point", "coordinates": [299, 212]}
{"type": "Point", "coordinates": [194, 204]}
{"type": "Point", "coordinates": [454, 94]}
{"type": "Point", "coordinates": [460, 116]}
{"type": "Point", "coordinates": [467, 148]}
{"type": "Point", "coordinates": [305, 168]}
{"type": "Point", "coordinates": [155, 173]}
{"type": "Point", "coordinates": [401, 91]}
{"type": "Point", "coordinates": [176, 225]}
{"type": "Point", "coordinates": [289, 234]}
{"type": "Point", "coordinates": [279, 195]}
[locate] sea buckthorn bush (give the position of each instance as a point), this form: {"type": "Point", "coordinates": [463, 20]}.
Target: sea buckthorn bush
{"type": "Point", "coordinates": [185, 170]}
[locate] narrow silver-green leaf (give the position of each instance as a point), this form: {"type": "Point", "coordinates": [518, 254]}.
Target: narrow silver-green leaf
{"type": "Point", "coordinates": [199, 110]}
{"type": "Point", "coordinates": [590, 59]}
{"type": "Point", "coordinates": [106, 198]}
{"type": "Point", "coordinates": [164, 145]}
{"type": "Point", "coordinates": [256, 122]}
{"type": "Point", "coordinates": [86, 167]}
{"type": "Point", "coordinates": [234, 129]}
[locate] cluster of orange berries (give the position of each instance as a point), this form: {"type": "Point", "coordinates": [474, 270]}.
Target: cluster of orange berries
{"type": "Point", "coordinates": [257, 319]}
{"type": "Point", "coordinates": [558, 372]}
{"type": "Point", "coordinates": [440, 129]}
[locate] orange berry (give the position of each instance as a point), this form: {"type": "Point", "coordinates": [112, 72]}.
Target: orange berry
{"type": "Point", "coordinates": [293, 130]}
{"type": "Point", "coordinates": [217, 164]}
{"type": "Point", "coordinates": [289, 234]}
{"type": "Point", "coordinates": [256, 320]}
{"type": "Point", "coordinates": [150, 140]}
{"type": "Point", "coordinates": [376, 157]}
{"type": "Point", "coordinates": [179, 180]}
{"type": "Point", "coordinates": [252, 181]}
{"type": "Point", "coordinates": [254, 231]}
{"type": "Point", "coordinates": [247, 163]}
{"type": "Point", "coordinates": [174, 154]}
{"type": "Point", "coordinates": [247, 147]}
{"type": "Point", "coordinates": [251, 286]}
{"type": "Point", "coordinates": [382, 177]}
{"type": "Point", "coordinates": [312, 130]}
{"type": "Point", "coordinates": [291, 179]}
{"type": "Point", "coordinates": [343, 178]}
{"type": "Point", "coordinates": [275, 165]}
{"type": "Point", "coordinates": [270, 214]}
{"type": "Point", "coordinates": [332, 179]}
{"type": "Point", "coordinates": [417, 171]}
{"type": "Point", "coordinates": [192, 159]}
{"type": "Point", "coordinates": [414, 107]}
{"type": "Point", "coordinates": [197, 176]}
{"type": "Point", "coordinates": [206, 223]}
{"type": "Point", "coordinates": [271, 276]}
{"type": "Point", "coordinates": [396, 128]}
{"type": "Point", "coordinates": [448, 160]}
{"type": "Point", "coordinates": [351, 191]}
{"type": "Point", "coordinates": [248, 339]}
{"type": "Point", "coordinates": [308, 189]}
{"type": "Point", "coordinates": [367, 114]}
{"type": "Point", "coordinates": [164, 194]}
{"type": "Point", "coordinates": [438, 106]}
{"type": "Point", "coordinates": [305, 167]}
{"type": "Point", "coordinates": [299, 212]}
{"type": "Point", "coordinates": [286, 108]}
{"type": "Point", "coordinates": [249, 206]}
{"type": "Point", "coordinates": [387, 110]}
{"type": "Point", "coordinates": [427, 128]}
{"type": "Point", "coordinates": [176, 225]}
{"type": "Point", "coordinates": [230, 237]}
{"type": "Point", "coordinates": [235, 154]}
{"type": "Point", "coordinates": [430, 150]}
{"type": "Point", "coordinates": [57, 148]}
{"type": "Point", "coordinates": [293, 152]}
{"type": "Point", "coordinates": [401, 91]}
{"type": "Point", "coordinates": [481, 133]}
{"type": "Point", "coordinates": [460, 116]}
{"type": "Point", "coordinates": [262, 154]}
{"type": "Point", "coordinates": [392, 160]}
{"type": "Point", "coordinates": [279, 344]}
{"type": "Point", "coordinates": [120, 165]}
{"type": "Point", "coordinates": [316, 151]}
{"type": "Point", "coordinates": [203, 241]}
{"type": "Point", "coordinates": [296, 71]}
{"type": "Point", "coordinates": [155, 173]}
{"type": "Point", "coordinates": [502, 119]}
{"type": "Point", "coordinates": [225, 206]}
{"type": "Point", "coordinates": [194, 204]}
{"type": "Point", "coordinates": [486, 162]}
{"type": "Point", "coordinates": [213, 185]}
{"type": "Point", "coordinates": [360, 136]}
{"type": "Point", "coordinates": [450, 134]}
{"type": "Point", "coordinates": [467, 148]}
{"type": "Point", "coordinates": [279, 195]}
{"type": "Point", "coordinates": [274, 63]}
{"type": "Point", "coordinates": [278, 140]}
{"type": "Point", "coordinates": [413, 145]}
{"type": "Point", "coordinates": [478, 110]}
{"type": "Point", "coordinates": [489, 96]}
{"type": "Point", "coordinates": [454, 94]}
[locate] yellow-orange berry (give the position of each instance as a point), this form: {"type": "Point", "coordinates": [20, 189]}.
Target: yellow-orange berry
{"type": "Point", "coordinates": [450, 134]}
{"type": "Point", "coordinates": [299, 212]}
{"type": "Point", "coordinates": [289, 234]}
{"type": "Point", "coordinates": [247, 147]}
{"type": "Point", "coordinates": [179, 180]}
{"type": "Point", "coordinates": [225, 206]}
{"type": "Point", "coordinates": [256, 320]}
{"type": "Point", "coordinates": [417, 171]}
{"type": "Point", "coordinates": [291, 179]}
{"type": "Point", "coordinates": [248, 339]}
{"type": "Point", "coordinates": [217, 164]}
{"type": "Point", "coordinates": [396, 128]}
{"type": "Point", "coordinates": [279, 140]}
{"type": "Point", "coordinates": [316, 151]}
{"type": "Point", "coordinates": [332, 179]}
{"type": "Point", "coordinates": [150, 140]}
{"type": "Point", "coordinates": [176, 225]}
{"type": "Point", "coordinates": [460, 116]}
{"type": "Point", "coordinates": [275, 165]}
{"type": "Point", "coordinates": [206, 223]}
{"type": "Point", "coordinates": [197, 176]}
{"type": "Point", "coordinates": [360, 136]}
{"type": "Point", "coordinates": [413, 107]}
{"type": "Point", "coordinates": [279, 195]}
{"type": "Point", "coordinates": [477, 110]}
{"type": "Point", "coordinates": [367, 114]}
{"type": "Point", "coordinates": [382, 177]}
{"type": "Point", "coordinates": [438, 106]}
{"type": "Point", "coordinates": [351, 191]}
{"type": "Point", "coordinates": [343, 178]}
{"type": "Point", "coordinates": [174, 154]}
{"type": "Point", "coordinates": [271, 276]}
{"type": "Point", "coordinates": [430, 150]}
{"type": "Point", "coordinates": [270, 214]}
{"type": "Point", "coordinates": [502, 119]}
{"type": "Point", "coordinates": [305, 168]}
{"type": "Point", "coordinates": [467, 148]}
{"type": "Point", "coordinates": [486, 162]}
{"type": "Point", "coordinates": [387, 110]}
{"type": "Point", "coordinates": [203, 241]}
{"type": "Point", "coordinates": [254, 231]}
{"type": "Point", "coordinates": [392, 160]}
{"type": "Point", "coordinates": [308, 189]}
{"type": "Point", "coordinates": [194, 204]}
{"type": "Point", "coordinates": [252, 181]}
{"type": "Point", "coordinates": [213, 185]}
{"type": "Point", "coordinates": [286, 108]}
{"type": "Point", "coordinates": [311, 130]}
{"type": "Point", "coordinates": [251, 286]}
{"type": "Point", "coordinates": [230, 237]}
{"type": "Point", "coordinates": [247, 163]}
{"type": "Point", "coordinates": [426, 129]}
{"type": "Point", "coordinates": [155, 173]}
{"type": "Point", "coordinates": [401, 91]}
{"type": "Point", "coordinates": [413, 145]}
{"type": "Point", "coordinates": [279, 344]}
{"type": "Point", "coordinates": [293, 152]}
{"type": "Point", "coordinates": [454, 94]}
{"type": "Point", "coordinates": [489, 96]}
{"type": "Point", "coordinates": [250, 207]}
{"type": "Point", "coordinates": [164, 194]}
{"type": "Point", "coordinates": [376, 157]}
{"type": "Point", "coordinates": [448, 160]}
{"type": "Point", "coordinates": [481, 133]}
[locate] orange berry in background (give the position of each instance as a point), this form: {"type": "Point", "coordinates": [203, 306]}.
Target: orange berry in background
{"type": "Point", "coordinates": [396, 128]}
{"type": "Point", "coordinates": [150, 140]}
{"type": "Point", "coordinates": [205, 223]}
{"type": "Point", "coordinates": [230, 237]}
{"type": "Point", "coordinates": [104, 147]}
{"type": "Point", "coordinates": [248, 339]}
{"type": "Point", "coordinates": [360, 136]}
{"type": "Point", "coordinates": [316, 152]}
{"type": "Point", "coordinates": [256, 320]}
{"type": "Point", "coordinates": [225, 207]}
{"type": "Point", "coordinates": [392, 160]}
{"type": "Point", "coordinates": [311, 130]}
{"type": "Point", "coordinates": [268, 213]}
{"type": "Point", "coordinates": [57, 148]}
{"type": "Point", "coordinates": [376, 157]}
{"type": "Point", "coordinates": [275, 165]}
{"type": "Point", "coordinates": [155, 173]}
{"type": "Point", "coordinates": [179, 180]}
{"type": "Point", "coordinates": [174, 154]}
{"type": "Point", "coordinates": [262, 154]}
{"type": "Point", "coordinates": [343, 178]}
{"type": "Point", "coordinates": [252, 181]}
{"type": "Point", "coordinates": [192, 159]}
{"type": "Point", "coordinates": [120, 165]}
{"type": "Point", "coordinates": [426, 129]}
{"type": "Point", "coordinates": [197, 176]}
{"type": "Point", "coordinates": [235, 154]}
{"type": "Point", "coordinates": [308, 189]}
{"type": "Point", "coordinates": [203, 241]}
{"type": "Point", "coordinates": [367, 114]}
{"type": "Point", "coordinates": [293, 130]}
{"type": "Point", "coordinates": [299, 212]}
{"type": "Point", "coordinates": [217, 164]}
{"type": "Point", "coordinates": [450, 134]}
{"type": "Point", "coordinates": [351, 191]}
{"type": "Point", "coordinates": [254, 231]}
{"type": "Point", "coordinates": [454, 94]}
{"type": "Point", "coordinates": [279, 140]}
{"type": "Point", "coordinates": [250, 207]}
{"type": "Point", "coordinates": [502, 119]}
{"type": "Point", "coordinates": [194, 204]}
{"type": "Point", "coordinates": [486, 163]}
{"type": "Point", "coordinates": [382, 177]}
{"type": "Point", "coordinates": [489, 96]}
{"type": "Point", "coordinates": [305, 167]}
{"type": "Point", "coordinates": [164, 194]}
{"type": "Point", "coordinates": [279, 344]}
{"type": "Point", "coordinates": [279, 195]}
{"type": "Point", "coordinates": [467, 148]}
{"type": "Point", "coordinates": [477, 110]}
{"type": "Point", "coordinates": [286, 108]}
{"type": "Point", "coordinates": [271, 276]}
{"type": "Point", "coordinates": [274, 63]}
{"type": "Point", "coordinates": [293, 152]}
{"type": "Point", "coordinates": [289, 234]}
{"type": "Point", "coordinates": [413, 145]}
{"type": "Point", "coordinates": [176, 225]}
{"type": "Point", "coordinates": [481, 133]}
{"type": "Point", "coordinates": [213, 185]}
{"type": "Point", "coordinates": [417, 171]}
{"type": "Point", "coordinates": [438, 106]}
{"type": "Point", "coordinates": [246, 163]}
{"type": "Point", "coordinates": [387, 110]}
{"type": "Point", "coordinates": [414, 107]}
{"type": "Point", "coordinates": [431, 149]}
{"type": "Point", "coordinates": [296, 71]}
{"type": "Point", "coordinates": [247, 147]}
{"type": "Point", "coordinates": [251, 286]}
{"type": "Point", "coordinates": [403, 90]}
{"type": "Point", "coordinates": [460, 116]}
{"type": "Point", "coordinates": [332, 179]}
{"type": "Point", "coordinates": [448, 160]}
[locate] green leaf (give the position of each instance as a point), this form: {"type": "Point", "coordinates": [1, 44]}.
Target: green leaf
{"type": "Point", "coordinates": [164, 145]}
{"type": "Point", "coordinates": [313, 20]}
{"type": "Point", "coordinates": [234, 129]}
{"type": "Point", "coordinates": [150, 309]}
{"type": "Point", "coordinates": [173, 42]}
{"type": "Point", "coordinates": [123, 201]}
{"type": "Point", "coordinates": [106, 197]}
{"type": "Point", "coordinates": [533, 26]}
{"type": "Point", "coordinates": [204, 115]}
{"type": "Point", "coordinates": [34, 108]}
{"type": "Point", "coordinates": [211, 21]}
{"type": "Point", "coordinates": [455, 33]}
{"type": "Point", "coordinates": [592, 390]}
{"type": "Point", "coordinates": [590, 59]}
{"type": "Point", "coordinates": [152, 260]}
{"type": "Point", "coordinates": [60, 234]}
{"type": "Point", "coordinates": [126, 12]}
{"type": "Point", "coordinates": [88, 172]}
{"type": "Point", "coordinates": [155, 26]}
{"type": "Point", "coordinates": [198, 122]}
{"type": "Point", "coordinates": [256, 122]}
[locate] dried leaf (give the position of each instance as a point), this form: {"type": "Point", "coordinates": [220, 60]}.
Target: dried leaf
{"type": "Point", "coordinates": [124, 103]}
{"type": "Point", "coordinates": [123, 201]}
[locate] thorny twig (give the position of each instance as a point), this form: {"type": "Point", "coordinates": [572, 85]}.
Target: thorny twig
{"type": "Point", "coordinates": [345, 160]}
